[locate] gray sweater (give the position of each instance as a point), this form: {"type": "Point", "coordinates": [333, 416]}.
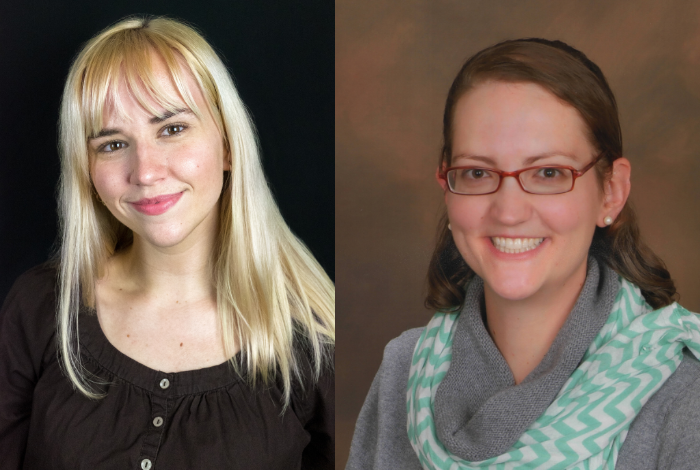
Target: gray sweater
{"type": "Point", "coordinates": [480, 412]}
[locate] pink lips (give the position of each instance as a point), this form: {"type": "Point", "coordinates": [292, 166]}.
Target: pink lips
{"type": "Point", "coordinates": [156, 205]}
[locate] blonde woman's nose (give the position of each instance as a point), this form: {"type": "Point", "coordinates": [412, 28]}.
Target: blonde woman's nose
{"type": "Point", "coordinates": [149, 165]}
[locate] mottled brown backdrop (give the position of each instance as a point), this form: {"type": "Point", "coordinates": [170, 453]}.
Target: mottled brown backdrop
{"type": "Point", "coordinates": [394, 63]}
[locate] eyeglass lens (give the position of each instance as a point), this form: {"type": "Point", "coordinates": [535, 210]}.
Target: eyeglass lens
{"type": "Point", "coordinates": [547, 180]}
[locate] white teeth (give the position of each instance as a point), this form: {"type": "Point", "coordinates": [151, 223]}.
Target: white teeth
{"type": "Point", "coordinates": [515, 245]}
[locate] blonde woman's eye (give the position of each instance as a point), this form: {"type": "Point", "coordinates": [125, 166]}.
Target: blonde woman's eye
{"type": "Point", "coordinates": [111, 146]}
{"type": "Point", "coordinates": [173, 129]}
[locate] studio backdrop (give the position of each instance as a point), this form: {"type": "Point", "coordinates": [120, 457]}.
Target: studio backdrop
{"type": "Point", "coordinates": [394, 64]}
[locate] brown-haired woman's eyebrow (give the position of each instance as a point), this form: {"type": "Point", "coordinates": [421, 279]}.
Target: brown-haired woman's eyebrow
{"type": "Point", "coordinates": [485, 160]}
{"type": "Point", "coordinates": [527, 162]}
{"type": "Point", "coordinates": [534, 159]}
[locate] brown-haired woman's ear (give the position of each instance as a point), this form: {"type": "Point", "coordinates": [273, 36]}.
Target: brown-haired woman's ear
{"type": "Point", "coordinates": [440, 178]}
{"type": "Point", "coordinates": [617, 190]}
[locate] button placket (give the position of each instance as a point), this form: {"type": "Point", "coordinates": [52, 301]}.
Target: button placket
{"type": "Point", "coordinates": [159, 396]}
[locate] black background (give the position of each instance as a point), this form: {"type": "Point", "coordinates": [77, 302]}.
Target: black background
{"type": "Point", "coordinates": [280, 54]}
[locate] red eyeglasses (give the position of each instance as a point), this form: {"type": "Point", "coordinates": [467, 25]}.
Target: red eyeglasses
{"type": "Point", "coordinates": [545, 179]}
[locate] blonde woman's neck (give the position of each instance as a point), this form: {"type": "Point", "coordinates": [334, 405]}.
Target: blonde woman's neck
{"type": "Point", "coordinates": [183, 271]}
{"type": "Point", "coordinates": [158, 306]}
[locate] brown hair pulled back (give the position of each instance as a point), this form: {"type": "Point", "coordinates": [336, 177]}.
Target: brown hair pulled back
{"type": "Point", "coordinates": [569, 75]}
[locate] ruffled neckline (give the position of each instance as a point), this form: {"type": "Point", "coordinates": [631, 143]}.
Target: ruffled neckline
{"type": "Point", "coordinates": [98, 348]}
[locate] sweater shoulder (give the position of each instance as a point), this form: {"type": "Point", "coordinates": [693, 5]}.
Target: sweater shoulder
{"type": "Point", "coordinates": [664, 434]}
{"type": "Point", "coordinates": [401, 348]}
{"type": "Point", "coordinates": [396, 361]}
{"type": "Point", "coordinates": [679, 437]}
{"type": "Point", "coordinates": [680, 392]}
{"type": "Point", "coordinates": [380, 440]}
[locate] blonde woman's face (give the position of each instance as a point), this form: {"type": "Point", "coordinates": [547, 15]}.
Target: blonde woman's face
{"type": "Point", "coordinates": [162, 178]}
{"type": "Point", "coordinates": [523, 244]}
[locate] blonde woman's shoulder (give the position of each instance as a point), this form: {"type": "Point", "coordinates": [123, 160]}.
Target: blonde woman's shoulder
{"type": "Point", "coordinates": [33, 293]}
{"type": "Point", "coordinates": [27, 332]}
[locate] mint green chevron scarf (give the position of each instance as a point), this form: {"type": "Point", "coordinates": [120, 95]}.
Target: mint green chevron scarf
{"type": "Point", "coordinates": [635, 352]}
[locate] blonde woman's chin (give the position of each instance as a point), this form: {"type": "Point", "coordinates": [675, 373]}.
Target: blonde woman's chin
{"type": "Point", "coordinates": [175, 235]}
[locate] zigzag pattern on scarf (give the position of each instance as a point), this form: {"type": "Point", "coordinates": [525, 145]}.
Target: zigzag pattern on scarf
{"type": "Point", "coordinates": [632, 356]}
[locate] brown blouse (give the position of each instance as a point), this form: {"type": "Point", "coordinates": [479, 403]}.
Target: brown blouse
{"type": "Point", "coordinates": [200, 419]}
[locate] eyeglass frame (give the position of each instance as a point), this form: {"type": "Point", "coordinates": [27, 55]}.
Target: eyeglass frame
{"type": "Point", "coordinates": [516, 174]}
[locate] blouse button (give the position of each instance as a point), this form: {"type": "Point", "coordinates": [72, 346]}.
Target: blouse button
{"type": "Point", "coordinates": [146, 464]}
{"type": "Point", "coordinates": [158, 422]}
{"type": "Point", "coordinates": [165, 383]}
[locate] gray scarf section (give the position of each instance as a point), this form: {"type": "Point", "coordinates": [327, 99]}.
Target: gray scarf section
{"type": "Point", "coordinates": [479, 411]}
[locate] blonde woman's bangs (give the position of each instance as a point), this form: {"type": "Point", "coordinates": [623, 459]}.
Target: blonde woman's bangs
{"type": "Point", "coordinates": [124, 64]}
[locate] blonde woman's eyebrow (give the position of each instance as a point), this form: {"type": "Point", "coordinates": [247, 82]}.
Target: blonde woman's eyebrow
{"type": "Point", "coordinates": [168, 114]}
{"type": "Point", "coordinates": [154, 120]}
{"type": "Point", "coordinates": [104, 133]}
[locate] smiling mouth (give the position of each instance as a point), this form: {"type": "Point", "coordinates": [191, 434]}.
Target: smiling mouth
{"type": "Point", "coordinates": [157, 200]}
{"type": "Point", "coordinates": [156, 205]}
{"type": "Point", "coordinates": [515, 245]}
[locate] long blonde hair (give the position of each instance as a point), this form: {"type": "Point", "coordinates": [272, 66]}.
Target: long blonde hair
{"type": "Point", "coordinates": [271, 292]}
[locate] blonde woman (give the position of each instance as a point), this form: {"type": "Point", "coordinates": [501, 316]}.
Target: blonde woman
{"type": "Point", "coordinates": [184, 325]}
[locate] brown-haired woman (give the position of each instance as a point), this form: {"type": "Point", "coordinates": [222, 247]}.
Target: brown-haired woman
{"type": "Point", "coordinates": [557, 342]}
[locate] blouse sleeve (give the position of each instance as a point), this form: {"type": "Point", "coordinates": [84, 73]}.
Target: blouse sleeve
{"type": "Point", "coordinates": [316, 408]}
{"type": "Point", "coordinates": [26, 333]}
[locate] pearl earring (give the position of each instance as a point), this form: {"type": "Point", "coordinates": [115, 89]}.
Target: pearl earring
{"type": "Point", "coordinates": [449, 226]}
{"type": "Point", "coordinates": [608, 220]}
